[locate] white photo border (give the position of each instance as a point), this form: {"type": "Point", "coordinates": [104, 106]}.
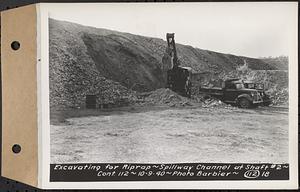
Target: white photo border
{"type": "Point", "coordinates": [43, 10]}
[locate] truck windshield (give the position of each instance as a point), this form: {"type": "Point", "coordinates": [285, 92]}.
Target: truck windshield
{"type": "Point", "coordinates": [259, 86]}
{"type": "Point", "coordinates": [250, 86]}
{"type": "Point", "coordinates": [239, 86]}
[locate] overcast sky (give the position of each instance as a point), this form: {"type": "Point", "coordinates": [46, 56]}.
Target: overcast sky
{"type": "Point", "coordinates": [248, 29]}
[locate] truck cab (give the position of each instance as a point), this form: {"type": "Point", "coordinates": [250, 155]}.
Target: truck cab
{"type": "Point", "coordinates": [235, 92]}
{"type": "Point", "coordinates": [261, 89]}
{"type": "Point", "coordinates": [253, 85]}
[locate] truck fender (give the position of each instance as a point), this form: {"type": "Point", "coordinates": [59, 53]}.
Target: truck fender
{"type": "Point", "coordinates": [244, 96]}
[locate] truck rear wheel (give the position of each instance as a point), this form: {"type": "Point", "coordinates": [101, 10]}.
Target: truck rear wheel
{"type": "Point", "coordinates": [267, 103]}
{"type": "Point", "coordinates": [244, 103]}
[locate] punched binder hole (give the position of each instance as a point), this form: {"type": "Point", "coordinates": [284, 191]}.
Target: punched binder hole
{"type": "Point", "coordinates": [16, 148]}
{"type": "Point", "coordinates": [15, 45]}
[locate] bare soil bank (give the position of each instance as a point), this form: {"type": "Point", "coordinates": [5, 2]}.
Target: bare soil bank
{"type": "Point", "coordinates": [114, 66]}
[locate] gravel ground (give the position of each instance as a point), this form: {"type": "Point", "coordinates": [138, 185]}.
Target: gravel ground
{"type": "Point", "coordinates": [173, 135]}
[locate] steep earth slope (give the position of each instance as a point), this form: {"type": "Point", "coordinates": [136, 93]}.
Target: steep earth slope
{"type": "Point", "coordinates": [281, 62]}
{"type": "Point", "coordinates": [113, 65]}
{"type": "Point", "coordinates": [73, 74]}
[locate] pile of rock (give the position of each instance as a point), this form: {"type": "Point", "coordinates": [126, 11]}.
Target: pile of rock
{"type": "Point", "coordinates": [212, 102]}
{"type": "Point", "coordinates": [73, 79]}
{"type": "Point", "coordinates": [165, 96]}
{"type": "Point", "coordinates": [279, 96]}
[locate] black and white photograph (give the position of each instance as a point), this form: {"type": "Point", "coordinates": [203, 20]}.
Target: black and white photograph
{"type": "Point", "coordinates": [170, 83]}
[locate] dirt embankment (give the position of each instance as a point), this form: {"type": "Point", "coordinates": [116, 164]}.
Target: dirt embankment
{"type": "Point", "coordinates": [117, 66]}
{"type": "Point", "coordinates": [280, 63]}
{"type": "Point", "coordinates": [122, 60]}
{"type": "Point", "coordinates": [73, 74]}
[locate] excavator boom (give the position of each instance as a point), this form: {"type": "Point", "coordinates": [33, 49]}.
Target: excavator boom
{"type": "Point", "coordinates": [172, 49]}
{"type": "Point", "coordinates": [178, 78]}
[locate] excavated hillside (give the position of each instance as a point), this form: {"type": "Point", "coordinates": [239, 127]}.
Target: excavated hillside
{"type": "Point", "coordinates": [281, 62]}
{"type": "Point", "coordinates": [73, 74]}
{"type": "Point", "coordinates": [114, 65]}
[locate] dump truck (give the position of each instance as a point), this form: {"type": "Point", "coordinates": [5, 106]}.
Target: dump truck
{"type": "Point", "coordinates": [178, 77]}
{"type": "Point", "coordinates": [234, 91]}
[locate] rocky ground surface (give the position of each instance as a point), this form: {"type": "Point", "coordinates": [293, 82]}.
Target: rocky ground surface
{"type": "Point", "coordinates": [172, 135]}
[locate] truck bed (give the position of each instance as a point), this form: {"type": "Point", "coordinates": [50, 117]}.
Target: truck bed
{"type": "Point", "coordinates": [214, 91]}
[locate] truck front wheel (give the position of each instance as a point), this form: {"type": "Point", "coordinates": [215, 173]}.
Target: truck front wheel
{"type": "Point", "coordinates": [244, 103]}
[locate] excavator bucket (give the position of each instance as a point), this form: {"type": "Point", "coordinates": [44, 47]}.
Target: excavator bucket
{"type": "Point", "coordinates": [177, 78]}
